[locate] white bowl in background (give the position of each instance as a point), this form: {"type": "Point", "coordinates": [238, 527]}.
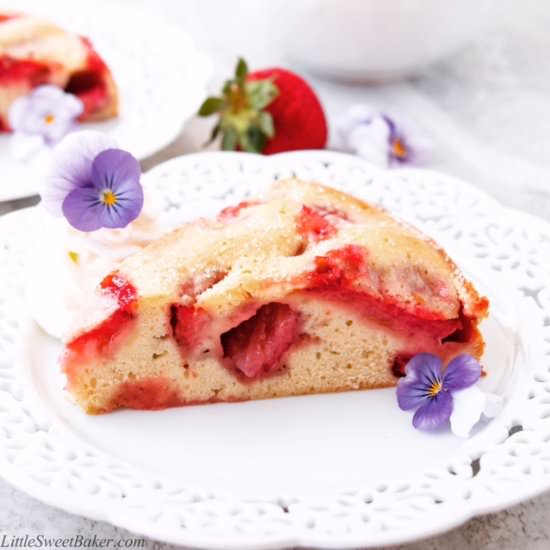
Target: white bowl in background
{"type": "Point", "coordinates": [374, 39]}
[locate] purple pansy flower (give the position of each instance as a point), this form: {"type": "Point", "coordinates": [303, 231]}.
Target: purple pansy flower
{"type": "Point", "coordinates": [428, 388]}
{"type": "Point", "coordinates": [71, 167]}
{"type": "Point", "coordinates": [374, 136]}
{"type": "Point", "coordinates": [47, 112]}
{"type": "Point", "coordinates": [92, 183]}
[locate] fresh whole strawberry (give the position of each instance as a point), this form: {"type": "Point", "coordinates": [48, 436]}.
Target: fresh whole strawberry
{"type": "Point", "coordinates": [267, 112]}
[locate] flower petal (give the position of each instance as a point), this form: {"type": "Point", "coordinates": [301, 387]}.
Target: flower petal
{"type": "Point", "coordinates": [119, 172]}
{"type": "Point", "coordinates": [83, 209]}
{"type": "Point", "coordinates": [410, 395]}
{"type": "Point", "coordinates": [17, 113]}
{"type": "Point", "coordinates": [421, 372]}
{"type": "Point", "coordinates": [463, 371]}
{"type": "Point", "coordinates": [434, 412]}
{"type": "Point", "coordinates": [47, 111]}
{"type": "Point", "coordinates": [131, 198]}
{"type": "Point", "coordinates": [128, 208]}
{"type": "Point", "coordinates": [468, 405]}
{"type": "Point", "coordinates": [425, 366]}
{"type": "Point", "coordinates": [370, 141]}
{"type": "Point", "coordinates": [26, 114]}
{"type": "Point", "coordinates": [392, 128]}
{"type": "Point", "coordinates": [346, 122]}
{"type": "Point", "coordinates": [47, 93]}
{"type": "Point", "coordinates": [71, 167]}
{"type": "Point", "coordinates": [114, 168]}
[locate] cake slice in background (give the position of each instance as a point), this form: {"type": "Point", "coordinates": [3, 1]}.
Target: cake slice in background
{"type": "Point", "coordinates": [307, 290]}
{"type": "Point", "coordinates": [35, 52]}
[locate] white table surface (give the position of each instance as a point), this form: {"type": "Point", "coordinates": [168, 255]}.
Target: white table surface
{"type": "Point", "coordinates": [487, 111]}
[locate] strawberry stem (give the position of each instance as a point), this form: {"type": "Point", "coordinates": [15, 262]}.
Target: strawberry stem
{"type": "Point", "coordinates": [244, 123]}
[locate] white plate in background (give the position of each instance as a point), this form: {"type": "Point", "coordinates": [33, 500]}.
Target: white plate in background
{"type": "Point", "coordinates": [161, 76]}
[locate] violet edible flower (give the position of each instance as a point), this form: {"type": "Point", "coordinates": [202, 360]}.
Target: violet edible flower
{"type": "Point", "coordinates": [429, 388]}
{"type": "Point", "coordinates": [47, 112]}
{"type": "Point", "coordinates": [93, 183]}
{"type": "Point", "coordinates": [374, 136]}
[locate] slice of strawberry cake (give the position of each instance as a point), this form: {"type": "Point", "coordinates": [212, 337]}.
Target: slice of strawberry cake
{"type": "Point", "coordinates": [307, 290]}
{"type": "Point", "coordinates": [35, 52]}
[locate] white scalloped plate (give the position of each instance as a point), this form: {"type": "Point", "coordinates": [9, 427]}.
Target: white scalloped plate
{"type": "Point", "coordinates": [161, 76]}
{"type": "Point", "coordinates": [342, 470]}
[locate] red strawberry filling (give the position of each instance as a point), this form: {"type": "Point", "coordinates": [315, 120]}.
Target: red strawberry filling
{"type": "Point", "coordinates": [90, 85]}
{"type": "Point", "coordinates": [148, 393]}
{"type": "Point", "coordinates": [233, 211]}
{"type": "Point", "coordinates": [118, 287]}
{"type": "Point", "coordinates": [338, 276]}
{"type": "Point", "coordinates": [339, 268]}
{"type": "Point", "coordinates": [256, 346]}
{"type": "Point", "coordinates": [6, 17]}
{"type": "Point", "coordinates": [188, 324]}
{"type": "Point", "coordinates": [399, 364]}
{"type": "Point", "coordinates": [154, 393]}
{"type": "Point", "coordinates": [103, 339]}
{"type": "Point", "coordinates": [26, 70]}
{"type": "Point", "coordinates": [313, 224]}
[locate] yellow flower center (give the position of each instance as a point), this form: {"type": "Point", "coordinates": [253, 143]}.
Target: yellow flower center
{"type": "Point", "coordinates": [435, 389]}
{"type": "Point", "coordinates": [74, 256]}
{"type": "Point", "coordinates": [399, 149]}
{"type": "Point", "coordinates": [49, 119]}
{"type": "Point", "coordinates": [109, 198]}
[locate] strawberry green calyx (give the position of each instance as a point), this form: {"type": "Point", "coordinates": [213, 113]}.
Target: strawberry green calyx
{"type": "Point", "coordinates": [243, 121]}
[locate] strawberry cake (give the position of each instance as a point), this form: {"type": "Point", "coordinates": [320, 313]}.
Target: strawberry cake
{"type": "Point", "coordinates": [35, 52]}
{"type": "Point", "coordinates": [305, 290]}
